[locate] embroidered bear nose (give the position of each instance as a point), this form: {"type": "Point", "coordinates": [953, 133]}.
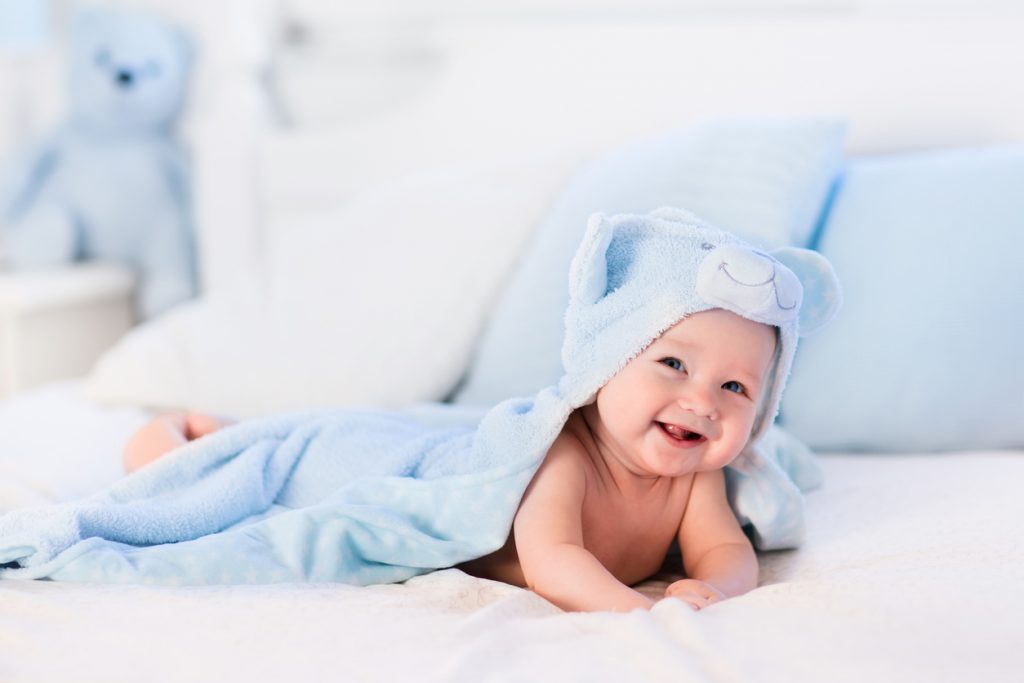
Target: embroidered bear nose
{"type": "Point", "coordinates": [125, 78]}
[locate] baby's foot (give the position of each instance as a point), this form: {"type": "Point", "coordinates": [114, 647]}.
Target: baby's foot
{"type": "Point", "coordinates": [154, 439]}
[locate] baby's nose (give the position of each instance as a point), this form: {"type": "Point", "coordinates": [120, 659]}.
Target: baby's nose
{"type": "Point", "coordinates": [701, 402]}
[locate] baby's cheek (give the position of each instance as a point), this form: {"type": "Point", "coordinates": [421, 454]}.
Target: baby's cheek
{"type": "Point", "coordinates": [724, 459]}
{"type": "Point", "coordinates": [733, 445]}
{"type": "Point", "coordinates": [747, 422]}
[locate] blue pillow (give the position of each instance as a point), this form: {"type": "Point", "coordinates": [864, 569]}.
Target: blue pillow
{"type": "Point", "coordinates": [764, 179]}
{"type": "Point", "coordinates": [925, 354]}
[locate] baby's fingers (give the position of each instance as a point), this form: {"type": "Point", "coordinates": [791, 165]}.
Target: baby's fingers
{"type": "Point", "coordinates": [697, 587]}
{"type": "Point", "coordinates": [696, 602]}
{"type": "Point", "coordinates": [695, 593]}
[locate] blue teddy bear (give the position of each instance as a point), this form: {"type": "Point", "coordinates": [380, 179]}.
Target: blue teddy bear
{"type": "Point", "coordinates": [112, 183]}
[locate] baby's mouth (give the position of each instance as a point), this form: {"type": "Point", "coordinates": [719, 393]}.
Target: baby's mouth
{"type": "Point", "coordinates": [680, 434]}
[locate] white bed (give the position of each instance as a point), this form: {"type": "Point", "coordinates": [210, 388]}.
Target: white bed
{"type": "Point", "coordinates": [911, 571]}
{"type": "Point", "coordinates": [912, 565]}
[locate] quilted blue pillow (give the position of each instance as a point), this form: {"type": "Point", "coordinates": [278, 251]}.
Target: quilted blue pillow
{"type": "Point", "coordinates": [764, 179]}
{"type": "Point", "coordinates": [925, 354]}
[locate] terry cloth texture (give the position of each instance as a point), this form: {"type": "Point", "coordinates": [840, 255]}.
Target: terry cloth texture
{"type": "Point", "coordinates": [371, 497]}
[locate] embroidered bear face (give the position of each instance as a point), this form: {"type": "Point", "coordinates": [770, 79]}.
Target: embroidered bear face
{"type": "Point", "coordinates": [751, 283]}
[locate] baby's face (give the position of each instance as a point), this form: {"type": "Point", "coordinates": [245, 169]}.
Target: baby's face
{"type": "Point", "coordinates": [687, 403]}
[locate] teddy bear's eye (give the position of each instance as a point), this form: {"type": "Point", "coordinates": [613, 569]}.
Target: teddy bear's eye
{"type": "Point", "coordinates": [102, 57]}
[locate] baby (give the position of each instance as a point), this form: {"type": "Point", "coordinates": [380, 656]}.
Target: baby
{"type": "Point", "coordinates": [630, 472]}
{"type": "Point", "coordinates": [637, 468]}
{"type": "Point", "coordinates": [678, 342]}
{"type": "Point", "coordinates": [640, 466]}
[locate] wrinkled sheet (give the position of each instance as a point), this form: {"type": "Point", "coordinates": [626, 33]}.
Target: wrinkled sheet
{"type": "Point", "coordinates": [911, 571]}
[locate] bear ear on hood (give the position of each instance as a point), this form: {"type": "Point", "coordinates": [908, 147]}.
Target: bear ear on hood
{"type": "Point", "coordinates": [588, 275]}
{"type": "Point", "coordinates": [822, 294]}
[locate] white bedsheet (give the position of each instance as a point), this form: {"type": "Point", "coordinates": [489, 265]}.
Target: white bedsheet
{"type": "Point", "coordinates": [912, 571]}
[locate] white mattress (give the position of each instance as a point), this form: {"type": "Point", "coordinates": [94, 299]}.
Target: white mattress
{"type": "Point", "coordinates": [911, 571]}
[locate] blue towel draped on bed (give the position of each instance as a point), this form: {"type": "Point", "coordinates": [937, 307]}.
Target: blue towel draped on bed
{"type": "Point", "coordinates": [370, 497]}
{"type": "Point", "coordinates": [356, 497]}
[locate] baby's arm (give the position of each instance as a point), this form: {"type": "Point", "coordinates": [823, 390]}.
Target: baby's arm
{"type": "Point", "coordinates": [549, 540]}
{"type": "Point", "coordinates": [164, 433]}
{"type": "Point", "coordinates": [717, 557]}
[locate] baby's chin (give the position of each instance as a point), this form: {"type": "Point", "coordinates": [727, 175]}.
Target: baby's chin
{"type": "Point", "coordinates": [717, 461]}
{"type": "Point", "coordinates": [710, 460]}
{"type": "Point", "coordinates": [673, 464]}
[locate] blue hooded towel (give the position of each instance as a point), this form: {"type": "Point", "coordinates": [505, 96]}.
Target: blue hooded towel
{"type": "Point", "coordinates": [370, 497]}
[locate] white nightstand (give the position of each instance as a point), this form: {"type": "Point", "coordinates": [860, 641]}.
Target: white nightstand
{"type": "Point", "coordinates": [54, 323]}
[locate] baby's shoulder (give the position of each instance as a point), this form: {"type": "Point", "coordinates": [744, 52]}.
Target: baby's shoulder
{"type": "Point", "coordinates": [567, 458]}
{"type": "Point", "coordinates": [561, 479]}
{"type": "Point", "coordinates": [573, 443]}
{"type": "Point", "coordinates": [567, 450]}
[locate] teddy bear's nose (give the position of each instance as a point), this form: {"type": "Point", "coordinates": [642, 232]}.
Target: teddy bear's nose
{"type": "Point", "coordinates": [125, 78]}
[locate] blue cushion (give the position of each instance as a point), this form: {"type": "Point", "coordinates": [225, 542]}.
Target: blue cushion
{"type": "Point", "coordinates": [926, 352]}
{"type": "Point", "coordinates": [764, 179]}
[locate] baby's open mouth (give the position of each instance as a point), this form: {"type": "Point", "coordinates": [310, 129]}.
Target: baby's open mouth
{"type": "Point", "coordinates": [680, 434]}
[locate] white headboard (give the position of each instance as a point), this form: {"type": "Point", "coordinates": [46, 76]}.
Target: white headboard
{"type": "Point", "coordinates": [301, 104]}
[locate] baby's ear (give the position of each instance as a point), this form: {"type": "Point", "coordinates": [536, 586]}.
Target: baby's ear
{"type": "Point", "coordinates": [588, 275]}
{"type": "Point", "coordinates": [822, 295]}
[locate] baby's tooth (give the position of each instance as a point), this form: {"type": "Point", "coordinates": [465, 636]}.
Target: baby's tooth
{"type": "Point", "coordinates": [674, 431]}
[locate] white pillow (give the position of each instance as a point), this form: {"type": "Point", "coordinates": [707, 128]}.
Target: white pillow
{"type": "Point", "coordinates": [378, 304]}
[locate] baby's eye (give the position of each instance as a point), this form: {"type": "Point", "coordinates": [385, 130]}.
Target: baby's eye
{"type": "Point", "coordinates": [734, 387]}
{"type": "Point", "coordinates": [673, 363]}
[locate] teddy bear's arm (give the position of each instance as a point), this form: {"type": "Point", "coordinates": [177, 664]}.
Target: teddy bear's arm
{"type": "Point", "coordinates": [34, 229]}
{"type": "Point", "coordinates": [25, 177]}
{"type": "Point", "coordinates": [168, 259]}
{"type": "Point", "coordinates": [167, 270]}
{"type": "Point", "coordinates": [176, 171]}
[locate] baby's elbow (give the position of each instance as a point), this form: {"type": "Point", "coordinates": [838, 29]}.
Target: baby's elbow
{"type": "Point", "coordinates": [543, 572]}
{"type": "Point", "coordinates": [554, 591]}
{"type": "Point", "coordinates": [536, 578]}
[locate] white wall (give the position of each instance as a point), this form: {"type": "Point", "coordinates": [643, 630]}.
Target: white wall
{"type": "Point", "coordinates": [375, 35]}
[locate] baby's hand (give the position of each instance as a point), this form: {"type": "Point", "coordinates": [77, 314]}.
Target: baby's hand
{"type": "Point", "coordinates": [165, 433]}
{"type": "Point", "coordinates": [695, 593]}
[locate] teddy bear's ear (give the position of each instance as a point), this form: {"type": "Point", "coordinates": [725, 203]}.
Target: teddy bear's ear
{"type": "Point", "coordinates": [588, 276]}
{"type": "Point", "coordinates": [822, 294]}
{"type": "Point", "coordinates": [87, 20]}
{"type": "Point", "coordinates": [185, 45]}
